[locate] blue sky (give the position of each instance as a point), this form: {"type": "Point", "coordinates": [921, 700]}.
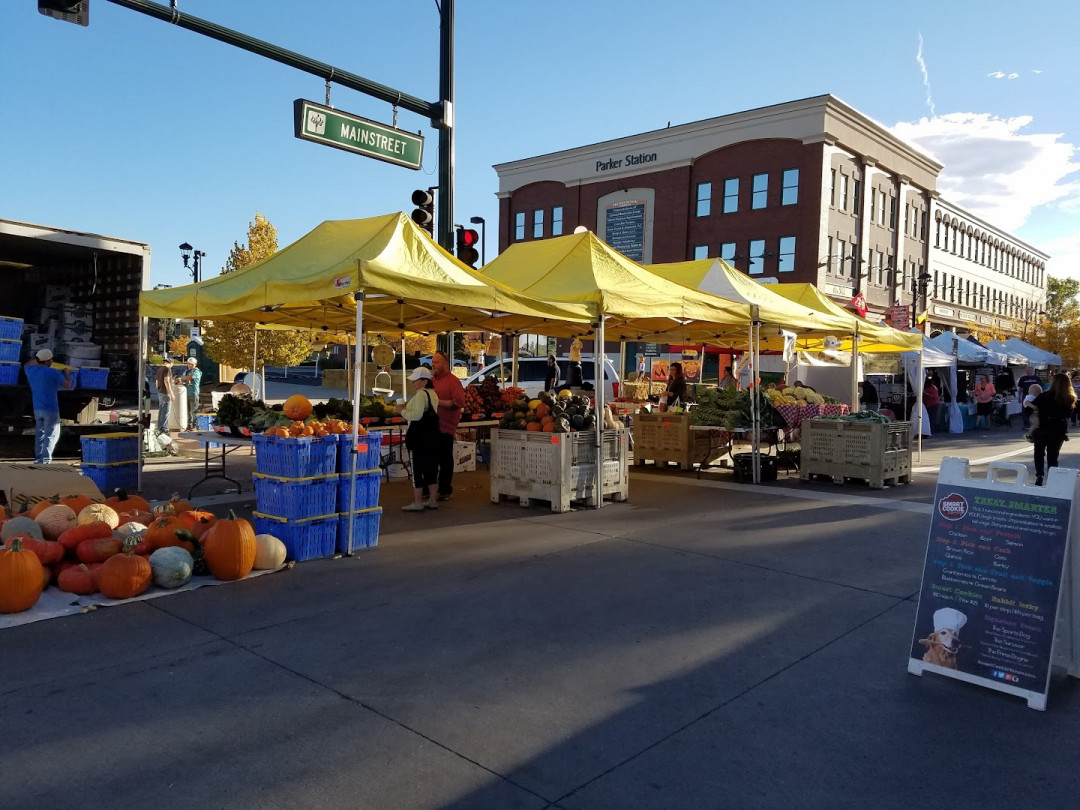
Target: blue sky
{"type": "Point", "coordinates": [138, 129]}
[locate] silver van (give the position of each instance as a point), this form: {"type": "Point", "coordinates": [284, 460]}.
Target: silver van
{"type": "Point", "coordinates": [533, 370]}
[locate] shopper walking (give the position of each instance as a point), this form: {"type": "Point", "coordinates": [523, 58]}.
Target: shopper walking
{"type": "Point", "coordinates": [421, 439]}
{"type": "Point", "coordinates": [45, 381]}
{"type": "Point", "coordinates": [166, 391]}
{"type": "Point", "coordinates": [984, 401]}
{"type": "Point", "coordinates": [451, 401]}
{"type": "Point", "coordinates": [1053, 407]}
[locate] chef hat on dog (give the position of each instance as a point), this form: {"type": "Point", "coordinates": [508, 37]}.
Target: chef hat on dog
{"type": "Point", "coordinates": [949, 619]}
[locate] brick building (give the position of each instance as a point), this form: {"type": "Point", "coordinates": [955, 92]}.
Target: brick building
{"type": "Point", "coordinates": [806, 191]}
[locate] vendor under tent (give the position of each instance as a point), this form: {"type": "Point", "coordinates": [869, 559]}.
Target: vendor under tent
{"type": "Point", "coordinates": [1036, 357]}
{"type": "Point", "coordinates": [385, 268]}
{"type": "Point", "coordinates": [916, 367]}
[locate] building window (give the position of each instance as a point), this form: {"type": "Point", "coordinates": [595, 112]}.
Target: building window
{"type": "Point", "coordinates": [538, 223]}
{"type": "Point", "coordinates": [761, 191]}
{"type": "Point", "coordinates": [832, 189]}
{"type": "Point", "coordinates": [873, 202]}
{"type": "Point", "coordinates": [790, 195]}
{"type": "Point", "coordinates": [787, 254]}
{"type": "Point", "coordinates": [829, 257]}
{"type": "Point", "coordinates": [704, 199]}
{"type": "Point", "coordinates": [731, 195]}
{"type": "Point", "coordinates": [843, 192]}
{"type": "Point", "coordinates": [757, 257]}
{"type": "Point", "coordinates": [519, 226]}
{"type": "Point", "coordinates": [882, 198]}
{"type": "Point", "coordinates": [727, 252]}
{"type": "Point", "coordinates": [701, 252]}
{"type": "Point", "coordinates": [841, 254]}
{"type": "Point", "coordinates": [881, 268]}
{"type": "Point", "coordinates": [556, 221]}
{"type": "Point", "coordinates": [856, 197]}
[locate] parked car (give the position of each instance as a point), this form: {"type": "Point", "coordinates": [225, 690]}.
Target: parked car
{"type": "Point", "coordinates": [533, 370]}
{"type": "Point", "coordinates": [425, 361]}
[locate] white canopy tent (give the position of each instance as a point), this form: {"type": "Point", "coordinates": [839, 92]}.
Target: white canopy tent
{"type": "Point", "coordinates": [1036, 357]}
{"type": "Point", "coordinates": [966, 352]}
{"type": "Point", "coordinates": [1012, 357]}
{"type": "Point", "coordinates": [915, 365]}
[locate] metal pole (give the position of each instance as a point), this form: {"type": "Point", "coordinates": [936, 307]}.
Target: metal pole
{"type": "Point", "coordinates": [404, 373]}
{"type": "Point", "coordinates": [355, 421]}
{"type": "Point", "coordinates": [598, 382]}
{"type": "Point", "coordinates": [446, 127]}
{"type": "Point", "coordinates": [141, 365]}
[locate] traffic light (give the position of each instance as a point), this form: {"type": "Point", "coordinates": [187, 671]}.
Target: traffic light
{"type": "Point", "coordinates": [424, 213]}
{"type": "Point", "coordinates": [467, 240]}
{"type": "Point", "coordinates": [76, 11]}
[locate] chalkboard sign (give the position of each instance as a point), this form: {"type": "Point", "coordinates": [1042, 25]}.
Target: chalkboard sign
{"type": "Point", "coordinates": [992, 579]}
{"type": "Point", "coordinates": [624, 228]}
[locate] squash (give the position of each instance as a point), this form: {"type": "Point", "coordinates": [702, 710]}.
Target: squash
{"type": "Point", "coordinates": [229, 548]}
{"type": "Point", "coordinates": [3, 512]}
{"type": "Point", "coordinates": [20, 525]}
{"type": "Point", "coordinates": [98, 549]}
{"type": "Point", "coordinates": [297, 407]}
{"type": "Point", "coordinates": [172, 567]}
{"type": "Point", "coordinates": [125, 575]}
{"type": "Point", "coordinates": [77, 579]}
{"type": "Point", "coordinates": [41, 506]}
{"type": "Point", "coordinates": [76, 502]}
{"type": "Point", "coordinates": [121, 501]}
{"type": "Point", "coordinates": [55, 520]}
{"type": "Point", "coordinates": [21, 578]}
{"type": "Point", "coordinates": [162, 532]}
{"type": "Point", "coordinates": [126, 530]}
{"type": "Point", "coordinates": [99, 511]}
{"type": "Point", "coordinates": [198, 521]}
{"type": "Point", "coordinates": [269, 552]}
{"type": "Point", "coordinates": [72, 537]}
{"type": "Point", "coordinates": [136, 516]}
{"type": "Point", "coordinates": [173, 506]}
{"type": "Point", "coordinates": [48, 551]}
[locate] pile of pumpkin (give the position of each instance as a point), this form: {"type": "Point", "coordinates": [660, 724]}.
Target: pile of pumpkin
{"type": "Point", "coordinates": [298, 409]}
{"type": "Point", "coordinates": [121, 547]}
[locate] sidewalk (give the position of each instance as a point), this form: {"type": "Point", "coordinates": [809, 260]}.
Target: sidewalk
{"type": "Point", "coordinates": [705, 645]}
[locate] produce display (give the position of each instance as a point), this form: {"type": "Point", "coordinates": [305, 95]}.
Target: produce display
{"type": "Point", "coordinates": [297, 413]}
{"type": "Point", "coordinates": [120, 549]}
{"type": "Point", "coordinates": [797, 395]}
{"type": "Point", "coordinates": [861, 416]}
{"type": "Point", "coordinates": [564, 413]}
{"type": "Point", "coordinates": [730, 409]}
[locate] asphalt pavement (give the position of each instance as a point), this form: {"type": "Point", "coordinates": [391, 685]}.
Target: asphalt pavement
{"type": "Point", "coordinates": [707, 644]}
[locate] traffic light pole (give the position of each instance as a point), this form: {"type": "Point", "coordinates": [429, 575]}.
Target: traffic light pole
{"type": "Point", "coordinates": [441, 113]}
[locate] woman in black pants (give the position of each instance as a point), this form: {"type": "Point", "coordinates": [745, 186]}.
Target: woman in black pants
{"type": "Point", "coordinates": [1054, 408]}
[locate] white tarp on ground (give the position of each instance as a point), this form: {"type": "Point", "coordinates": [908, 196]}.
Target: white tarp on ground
{"type": "Point", "coordinates": [916, 374]}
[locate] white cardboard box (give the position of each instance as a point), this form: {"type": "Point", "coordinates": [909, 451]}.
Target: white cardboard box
{"type": "Point", "coordinates": [464, 456]}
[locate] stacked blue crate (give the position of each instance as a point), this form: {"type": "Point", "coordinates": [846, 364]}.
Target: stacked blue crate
{"type": "Point", "coordinates": [11, 330]}
{"type": "Point", "coordinates": [363, 487]}
{"type": "Point", "coordinates": [111, 460]}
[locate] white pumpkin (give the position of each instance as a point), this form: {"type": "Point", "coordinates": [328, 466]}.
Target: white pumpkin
{"type": "Point", "coordinates": [99, 512]}
{"type": "Point", "coordinates": [20, 525]}
{"type": "Point", "coordinates": [130, 529]}
{"type": "Point", "coordinates": [55, 520]}
{"type": "Point", "coordinates": [269, 552]}
{"type": "Point", "coordinates": [171, 566]}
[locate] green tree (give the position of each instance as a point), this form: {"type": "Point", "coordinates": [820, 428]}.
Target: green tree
{"type": "Point", "coordinates": [234, 344]}
{"type": "Point", "coordinates": [1060, 330]}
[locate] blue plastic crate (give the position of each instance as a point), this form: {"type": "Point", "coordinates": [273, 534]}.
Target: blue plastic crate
{"type": "Point", "coordinates": [367, 490]}
{"type": "Point", "coordinates": [11, 328]}
{"type": "Point", "coordinates": [307, 539]}
{"type": "Point", "coordinates": [295, 498]}
{"type": "Point", "coordinates": [365, 529]}
{"type": "Point", "coordinates": [300, 457]}
{"type": "Point", "coordinates": [204, 421]}
{"type": "Point", "coordinates": [113, 476]}
{"type": "Point", "coordinates": [368, 452]}
{"type": "Point", "coordinates": [93, 377]}
{"type": "Point", "coordinates": [9, 373]}
{"type": "Point", "coordinates": [10, 350]}
{"type": "Point", "coordinates": [110, 448]}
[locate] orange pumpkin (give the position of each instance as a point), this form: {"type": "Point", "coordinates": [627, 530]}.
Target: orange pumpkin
{"type": "Point", "coordinates": [76, 502]}
{"type": "Point", "coordinates": [124, 575]}
{"type": "Point", "coordinates": [197, 521]}
{"type": "Point", "coordinates": [162, 532]}
{"type": "Point", "coordinates": [121, 501]}
{"type": "Point", "coordinates": [229, 548]}
{"type": "Point", "coordinates": [21, 578]}
{"type": "Point", "coordinates": [173, 506]}
{"type": "Point", "coordinates": [297, 407]}
{"type": "Point", "coordinates": [77, 579]}
{"type": "Point", "coordinates": [41, 506]}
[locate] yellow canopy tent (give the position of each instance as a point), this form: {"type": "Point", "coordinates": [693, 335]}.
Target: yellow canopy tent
{"type": "Point", "coordinates": [872, 337]}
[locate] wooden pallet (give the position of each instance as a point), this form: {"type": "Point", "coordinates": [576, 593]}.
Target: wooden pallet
{"type": "Point", "coordinates": [879, 483]}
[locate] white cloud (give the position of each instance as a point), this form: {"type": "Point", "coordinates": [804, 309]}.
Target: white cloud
{"type": "Point", "coordinates": [994, 167]}
{"type": "Point", "coordinates": [1036, 70]}
{"type": "Point", "coordinates": [1013, 75]}
{"type": "Point", "coordinates": [925, 77]}
{"type": "Point", "coordinates": [1064, 256]}
{"type": "Point", "coordinates": [997, 74]}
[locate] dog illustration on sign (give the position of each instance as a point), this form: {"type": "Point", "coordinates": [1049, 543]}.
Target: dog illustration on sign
{"type": "Point", "coordinates": [943, 644]}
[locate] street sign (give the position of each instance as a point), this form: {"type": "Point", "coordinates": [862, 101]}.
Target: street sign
{"type": "Point", "coordinates": [321, 124]}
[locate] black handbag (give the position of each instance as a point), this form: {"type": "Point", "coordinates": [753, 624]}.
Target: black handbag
{"type": "Point", "coordinates": [423, 430]}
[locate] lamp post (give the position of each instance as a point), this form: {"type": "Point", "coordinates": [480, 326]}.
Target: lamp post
{"type": "Point", "coordinates": [923, 282]}
{"type": "Point", "coordinates": [188, 253]}
{"type": "Point", "coordinates": [483, 238]}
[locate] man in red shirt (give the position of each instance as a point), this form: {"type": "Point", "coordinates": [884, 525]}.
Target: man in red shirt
{"type": "Point", "coordinates": [451, 401]}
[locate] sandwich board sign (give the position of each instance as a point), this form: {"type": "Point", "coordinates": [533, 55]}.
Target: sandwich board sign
{"type": "Point", "coordinates": [993, 578]}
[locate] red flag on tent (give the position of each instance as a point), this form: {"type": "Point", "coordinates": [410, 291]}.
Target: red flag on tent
{"type": "Point", "coordinates": [858, 303]}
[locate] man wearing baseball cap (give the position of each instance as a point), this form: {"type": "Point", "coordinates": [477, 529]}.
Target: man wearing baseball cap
{"type": "Point", "coordinates": [45, 381]}
{"type": "Point", "coordinates": [192, 379]}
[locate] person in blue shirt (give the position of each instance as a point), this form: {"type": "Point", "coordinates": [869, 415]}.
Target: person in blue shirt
{"type": "Point", "coordinates": [193, 380]}
{"type": "Point", "coordinates": [45, 381]}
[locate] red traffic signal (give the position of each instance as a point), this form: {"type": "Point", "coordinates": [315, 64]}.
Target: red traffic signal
{"type": "Point", "coordinates": [467, 240]}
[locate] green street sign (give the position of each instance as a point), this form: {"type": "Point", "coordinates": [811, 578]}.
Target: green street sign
{"type": "Point", "coordinates": [315, 122]}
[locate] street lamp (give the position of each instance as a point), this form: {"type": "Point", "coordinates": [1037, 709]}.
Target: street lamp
{"type": "Point", "coordinates": [187, 252]}
{"type": "Point", "coordinates": [483, 238]}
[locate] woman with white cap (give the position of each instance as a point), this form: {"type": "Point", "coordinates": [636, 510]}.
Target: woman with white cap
{"type": "Point", "coordinates": [193, 380]}
{"type": "Point", "coordinates": [421, 439]}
